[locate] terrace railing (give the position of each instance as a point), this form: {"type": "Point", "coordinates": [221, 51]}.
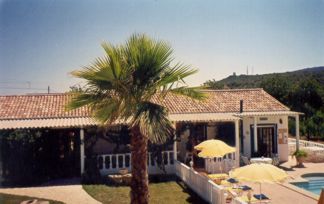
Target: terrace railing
{"type": "Point", "coordinates": [112, 163]}
{"type": "Point", "coordinates": [302, 144]}
{"type": "Point", "coordinates": [200, 184]}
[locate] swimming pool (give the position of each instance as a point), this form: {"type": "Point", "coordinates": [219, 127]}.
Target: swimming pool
{"type": "Point", "coordinates": [315, 182]}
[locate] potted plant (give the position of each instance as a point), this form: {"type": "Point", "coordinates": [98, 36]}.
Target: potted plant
{"type": "Point", "coordinates": [300, 156]}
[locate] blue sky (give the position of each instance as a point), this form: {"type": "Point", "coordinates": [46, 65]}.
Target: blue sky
{"type": "Point", "coordinates": [41, 41]}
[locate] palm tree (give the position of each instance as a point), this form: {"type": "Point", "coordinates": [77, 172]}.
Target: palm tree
{"type": "Point", "coordinates": [120, 87]}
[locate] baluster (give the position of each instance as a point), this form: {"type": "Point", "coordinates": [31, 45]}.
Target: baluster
{"type": "Point", "coordinates": [103, 162]}
{"type": "Point", "coordinates": [124, 159]}
{"type": "Point", "coordinates": [110, 161]}
{"type": "Point", "coordinates": [117, 161]}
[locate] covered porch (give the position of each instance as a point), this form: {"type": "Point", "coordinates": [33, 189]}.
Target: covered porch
{"type": "Point", "coordinates": [224, 127]}
{"type": "Point", "coordinates": [265, 134]}
{"type": "Point", "coordinates": [190, 129]}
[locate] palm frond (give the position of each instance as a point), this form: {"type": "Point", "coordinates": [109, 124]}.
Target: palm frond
{"type": "Point", "coordinates": [120, 84]}
{"type": "Point", "coordinates": [81, 99]}
{"type": "Point", "coordinates": [175, 75]}
{"type": "Point", "coordinates": [153, 122]}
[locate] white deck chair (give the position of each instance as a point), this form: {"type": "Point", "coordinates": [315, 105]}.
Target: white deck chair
{"type": "Point", "coordinates": [245, 160]}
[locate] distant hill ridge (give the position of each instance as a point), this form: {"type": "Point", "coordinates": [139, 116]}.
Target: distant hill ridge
{"type": "Point", "coordinates": [255, 81]}
{"type": "Point", "coordinates": [301, 90]}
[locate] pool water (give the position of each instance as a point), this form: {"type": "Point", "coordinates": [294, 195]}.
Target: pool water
{"type": "Point", "coordinates": [315, 183]}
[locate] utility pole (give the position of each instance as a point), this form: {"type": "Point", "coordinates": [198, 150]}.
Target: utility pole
{"type": "Point", "coordinates": [48, 89]}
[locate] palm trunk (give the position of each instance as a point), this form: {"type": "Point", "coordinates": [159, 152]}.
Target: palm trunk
{"type": "Point", "coordinates": [139, 183]}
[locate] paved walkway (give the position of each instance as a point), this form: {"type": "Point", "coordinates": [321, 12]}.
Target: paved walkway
{"type": "Point", "coordinates": [69, 194]}
{"type": "Point", "coordinates": [283, 194]}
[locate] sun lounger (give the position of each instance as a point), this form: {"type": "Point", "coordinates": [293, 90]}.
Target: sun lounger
{"type": "Point", "coordinates": [245, 188]}
{"type": "Point", "coordinates": [235, 192]}
{"type": "Point", "coordinates": [225, 183]}
{"type": "Point", "coordinates": [232, 180]}
{"type": "Point", "coordinates": [244, 198]}
{"type": "Point", "coordinates": [218, 178]}
{"type": "Point", "coordinates": [261, 197]}
{"type": "Point", "coordinates": [232, 193]}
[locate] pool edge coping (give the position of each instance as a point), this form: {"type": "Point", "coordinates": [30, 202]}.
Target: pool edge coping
{"type": "Point", "coordinates": [292, 187]}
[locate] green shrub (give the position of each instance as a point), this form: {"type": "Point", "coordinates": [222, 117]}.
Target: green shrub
{"type": "Point", "coordinates": [300, 153]}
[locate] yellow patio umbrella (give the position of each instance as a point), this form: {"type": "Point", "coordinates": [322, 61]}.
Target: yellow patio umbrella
{"type": "Point", "coordinates": [259, 173]}
{"type": "Point", "coordinates": [210, 149]}
{"type": "Point", "coordinates": [213, 148]}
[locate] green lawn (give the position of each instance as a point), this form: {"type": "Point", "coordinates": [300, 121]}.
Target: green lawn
{"type": "Point", "coordinates": [164, 192]}
{"type": "Point", "coordinates": [14, 199]}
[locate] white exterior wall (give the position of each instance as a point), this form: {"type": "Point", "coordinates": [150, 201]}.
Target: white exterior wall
{"type": "Point", "coordinates": [103, 147]}
{"type": "Point", "coordinates": [283, 128]}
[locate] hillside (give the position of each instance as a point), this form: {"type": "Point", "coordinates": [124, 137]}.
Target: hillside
{"type": "Point", "coordinates": [252, 81]}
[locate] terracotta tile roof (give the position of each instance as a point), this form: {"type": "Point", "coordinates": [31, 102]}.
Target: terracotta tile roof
{"type": "Point", "coordinates": [225, 101]}
{"type": "Point", "coordinates": [217, 101]}
{"type": "Point", "coordinates": [38, 106]}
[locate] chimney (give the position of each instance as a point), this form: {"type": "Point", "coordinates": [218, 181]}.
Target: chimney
{"type": "Point", "coordinates": [241, 106]}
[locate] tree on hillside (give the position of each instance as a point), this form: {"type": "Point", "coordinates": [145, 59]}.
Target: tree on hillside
{"type": "Point", "coordinates": [306, 97]}
{"type": "Point", "coordinates": [120, 87]}
{"type": "Point", "coordinates": [278, 87]}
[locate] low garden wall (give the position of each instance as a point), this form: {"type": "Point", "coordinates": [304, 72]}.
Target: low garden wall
{"type": "Point", "coordinates": [314, 150]}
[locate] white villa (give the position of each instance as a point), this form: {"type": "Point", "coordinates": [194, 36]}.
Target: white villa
{"type": "Point", "coordinates": [249, 119]}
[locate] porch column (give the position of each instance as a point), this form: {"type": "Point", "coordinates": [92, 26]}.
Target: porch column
{"type": "Point", "coordinates": [297, 131]}
{"type": "Point", "coordinates": [175, 154]}
{"type": "Point", "coordinates": [82, 150]}
{"type": "Point", "coordinates": [255, 131]}
{"type": "Point", "coordinates": [237, 144]}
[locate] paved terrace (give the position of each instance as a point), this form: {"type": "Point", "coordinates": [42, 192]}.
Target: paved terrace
{"type": "Point", "coordinates": [69, 194]}
{"type": "Point", "coordinates": [281, 194]}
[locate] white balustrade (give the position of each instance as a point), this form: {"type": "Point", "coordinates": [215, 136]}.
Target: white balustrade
{"type": "Point", "coordinates": [112, 163]}
{"type": "Point", "coordinates": [221, 165]}
{"type": "Point", "coordinates": [303, 144]}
